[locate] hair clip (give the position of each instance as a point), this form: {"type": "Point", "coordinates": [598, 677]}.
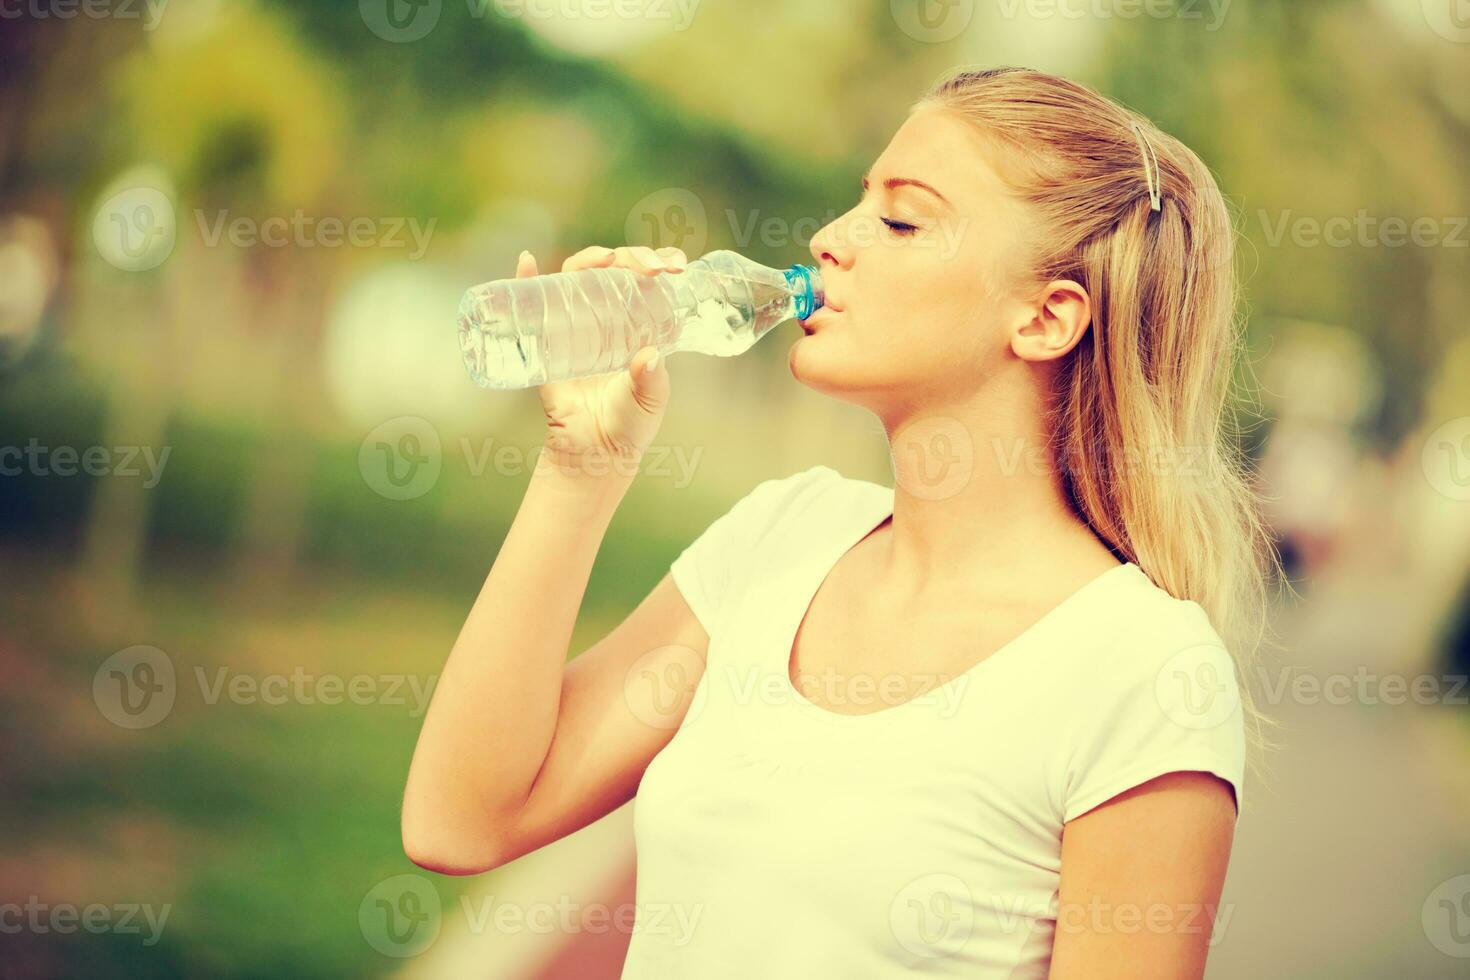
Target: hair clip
{"type": "Point", "coordinates": [1150, 168]}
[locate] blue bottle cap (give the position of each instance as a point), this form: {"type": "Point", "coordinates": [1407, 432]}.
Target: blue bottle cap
{"type": "Point", "coordinates": [806, 287]}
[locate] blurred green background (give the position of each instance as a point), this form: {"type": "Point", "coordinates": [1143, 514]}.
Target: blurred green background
{"type": "Point", "coordinates": [239, 447]}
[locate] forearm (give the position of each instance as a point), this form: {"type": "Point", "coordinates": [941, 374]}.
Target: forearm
{"type": "Point", "coordinates": [494, 710]}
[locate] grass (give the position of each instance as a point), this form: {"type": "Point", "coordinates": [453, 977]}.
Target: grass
{"type": "Point", "coordinates": [262, 826]}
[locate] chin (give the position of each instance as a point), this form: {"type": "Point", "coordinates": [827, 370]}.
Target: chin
{"type": "Point", "coordinates": [822, 366]}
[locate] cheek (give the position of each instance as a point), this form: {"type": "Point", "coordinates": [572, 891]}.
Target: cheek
{"type": "Point", "coordinates": [929, 298]}
{"type": "Point", "coordinates": [903, 285]}
{"type": "Point", "coordinates": [932, 302]}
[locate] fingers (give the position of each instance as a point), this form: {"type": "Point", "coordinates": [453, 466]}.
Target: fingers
{"type": "Point", "coordinates": [639, 258]}
{"type": "Point", "coordinates": [645, 362]}
{"type": "Point", "coordinates": [648, 380]}
{"type": "Point", "coordinates": [591, 257]}
{"type": "Point", "coordinates": [674, 259]}
{"type": "Point", "coordinates": [525, 266]}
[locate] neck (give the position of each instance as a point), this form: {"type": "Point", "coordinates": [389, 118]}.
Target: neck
{"type": "Point", "coordinates": [977, 499]}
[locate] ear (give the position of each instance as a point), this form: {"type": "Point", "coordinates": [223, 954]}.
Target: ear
{"type": "Point", "coordinates": [1055, 324]}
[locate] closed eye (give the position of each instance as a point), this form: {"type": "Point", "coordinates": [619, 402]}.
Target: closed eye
{"type": "Point", "coordinates": [897, 227]}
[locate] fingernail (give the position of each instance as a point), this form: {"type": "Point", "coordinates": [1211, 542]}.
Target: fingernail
{"type": "Point", "coordinates": [653, 362]}
{"type": "Point", "coordinates": [522, 257]}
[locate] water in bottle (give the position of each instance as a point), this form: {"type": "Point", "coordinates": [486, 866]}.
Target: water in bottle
{"type": "Point", "coordinates": [520, 333]}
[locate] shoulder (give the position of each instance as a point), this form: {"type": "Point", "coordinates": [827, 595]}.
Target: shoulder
{"type": "Point", "coordinates": [1154, 655]}
{"type": "Point", "coordinates": [1157, 692]}
{"type": "Point", "coordinates": [802, 481]}
{"type": "Point", "coordinates": [1143, 626]}
{"type": "Point", "coordinates": [773, 498]}
{"type": "Point", "coordinates": [816, 489]}
{"type": "Point", "coordinates": [764, 508]}
{"type": "Point", "coordinates": [785, 517]}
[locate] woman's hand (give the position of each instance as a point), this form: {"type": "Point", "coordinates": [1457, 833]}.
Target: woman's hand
{"type": "Point", "coordinates": [590, 421]}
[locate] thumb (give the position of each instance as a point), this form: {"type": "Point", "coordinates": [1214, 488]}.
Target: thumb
{"type": "Point", "coordinates": [648, 380]}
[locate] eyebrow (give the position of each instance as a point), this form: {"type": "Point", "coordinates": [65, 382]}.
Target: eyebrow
{"type": "Point", "coordinates": [893, 182]}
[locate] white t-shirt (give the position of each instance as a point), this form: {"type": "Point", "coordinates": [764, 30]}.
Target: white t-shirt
{"type": "Point", "coordinates": [783, 841]}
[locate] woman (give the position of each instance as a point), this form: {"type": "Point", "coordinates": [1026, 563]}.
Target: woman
{"type": "Point", "coordinates": [981, 724]}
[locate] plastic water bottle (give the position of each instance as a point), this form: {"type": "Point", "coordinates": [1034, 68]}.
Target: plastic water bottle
{"type": "Point", "coordinates": [520, 333]}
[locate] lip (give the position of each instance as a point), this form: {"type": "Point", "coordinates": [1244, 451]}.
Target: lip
{"type": "Point", "coordinates": [826, 308]}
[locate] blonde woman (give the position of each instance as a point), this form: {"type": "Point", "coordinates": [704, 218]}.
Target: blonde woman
{"type": "Point", "coordinates": [984, 723]}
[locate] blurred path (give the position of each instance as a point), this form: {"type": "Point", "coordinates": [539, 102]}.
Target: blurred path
{"type": "Point", "coordinates": [1365, 813]}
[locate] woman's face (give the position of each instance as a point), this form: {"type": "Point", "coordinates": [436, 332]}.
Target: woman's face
{"type": "Point", "coordinates": [918, 274]}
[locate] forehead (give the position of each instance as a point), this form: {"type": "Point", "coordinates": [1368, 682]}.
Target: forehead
{"type": "Point", "coordinates": [943, 149]}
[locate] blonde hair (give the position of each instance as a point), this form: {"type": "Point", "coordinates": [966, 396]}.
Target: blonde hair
{"type": "Point", "coordinates": [1148, 454]}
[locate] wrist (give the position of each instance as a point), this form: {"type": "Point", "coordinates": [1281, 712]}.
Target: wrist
{"type": "Point", "coordinates": [584, 470]}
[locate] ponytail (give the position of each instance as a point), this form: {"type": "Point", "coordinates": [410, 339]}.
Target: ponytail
{"type": "Point", "coordinates": [1146, 448]}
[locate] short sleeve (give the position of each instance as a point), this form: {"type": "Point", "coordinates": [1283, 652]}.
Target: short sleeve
{"type": "Point", "coordinates": [1166, 700]}
{"type": "Point", "coordinates": [708, 568]}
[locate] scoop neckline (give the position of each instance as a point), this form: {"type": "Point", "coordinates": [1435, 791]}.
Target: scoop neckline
{"type": "Point", "coordinates": [867, 527]}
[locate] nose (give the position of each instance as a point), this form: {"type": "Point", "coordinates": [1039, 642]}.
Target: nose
{"type": "Point", "coordinates": [829, 246]}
